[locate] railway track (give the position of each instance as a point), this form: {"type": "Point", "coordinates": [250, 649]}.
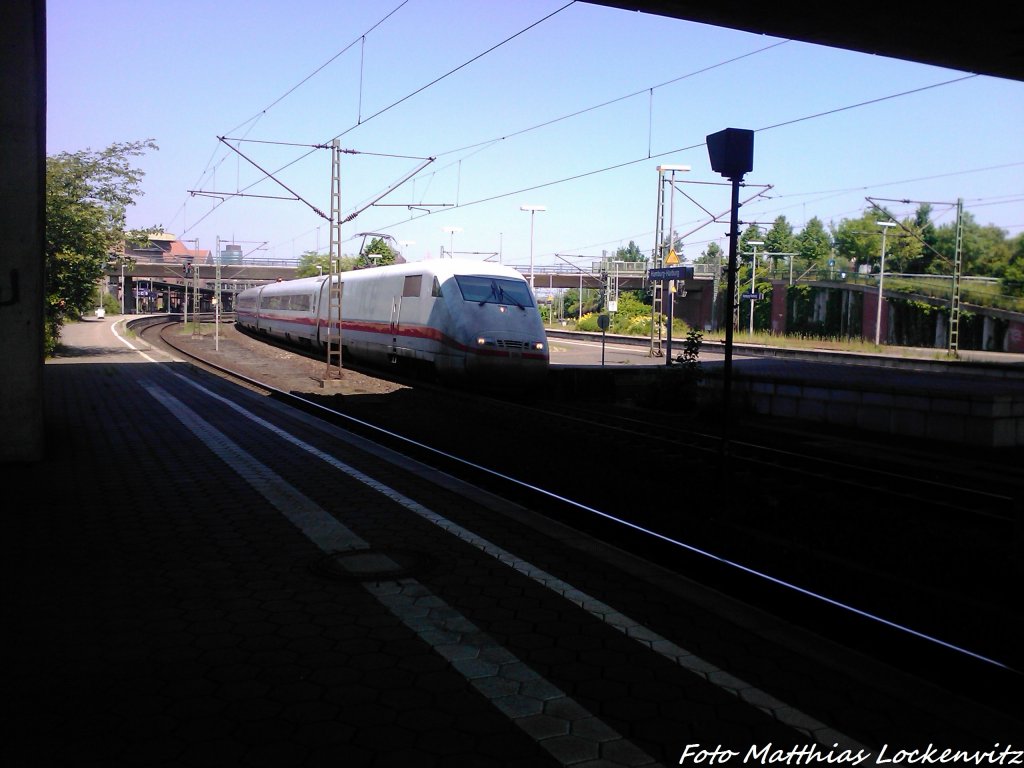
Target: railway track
{"type": "Point", "coordinates": [966, 493]}
{"type": "Point", "coordinates": [880, 536]}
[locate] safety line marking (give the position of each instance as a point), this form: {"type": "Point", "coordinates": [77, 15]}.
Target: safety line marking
{"type": "Point", "coordinates": [750, 694]}
{"type": "Point", "coordinates": [554, 720]}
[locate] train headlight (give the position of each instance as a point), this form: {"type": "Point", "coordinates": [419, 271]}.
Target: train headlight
{"type": "Point", "coordinates": [481, 341]}
{"type": "Point", "coordinates": [539, 346]}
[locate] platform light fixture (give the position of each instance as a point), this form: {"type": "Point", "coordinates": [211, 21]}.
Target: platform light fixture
{"type": "Point", "coordinates": [533, 210]}
{"type": "Point", "coordinates": [881, 277]}
{"type": "Point", "coordinates": [451, 241]}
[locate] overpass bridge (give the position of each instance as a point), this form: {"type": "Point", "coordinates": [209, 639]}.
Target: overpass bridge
{"type": "Point", "coordinates": [620, 275]}
{"type": "Point", "coordinates": [167, 279]}
{"type": "Point", "coordinates": [627, 275]}
{"type": "Point", "coordinates": [255, 272]}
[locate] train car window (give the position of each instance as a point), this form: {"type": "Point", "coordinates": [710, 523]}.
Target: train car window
{"type": "Point", "coordinates": [494, 290]}
{"type": "Point", "coordinates": [299, 303]}
{"type": "Point", "coordinates": [412, 285]}
{"type": "Point", "coordinates": [435, 291]}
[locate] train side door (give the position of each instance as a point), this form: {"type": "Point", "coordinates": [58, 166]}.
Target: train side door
{"type": "Point", "coordinates": [396, 313]}
{"type": "Point", "coordinates": [408, 300]}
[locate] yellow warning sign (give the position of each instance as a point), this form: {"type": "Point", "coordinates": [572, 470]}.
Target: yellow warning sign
{"type": "Point", "coordinates": [672, 258]}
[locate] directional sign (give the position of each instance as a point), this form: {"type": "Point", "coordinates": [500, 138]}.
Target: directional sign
{"type": "Point", "coordinates": [670, 273]}
{"type": "Point", "coordinates": [753, 296]}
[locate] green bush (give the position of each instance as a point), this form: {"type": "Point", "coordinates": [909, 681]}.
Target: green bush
{"type": "Point", "coordinates": [632, 325]}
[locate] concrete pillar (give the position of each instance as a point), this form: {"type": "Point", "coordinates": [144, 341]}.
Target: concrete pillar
{"type": "Point", "coordinates": [23, 226]}
{"type": "Point", "coordinates": [868, 314]}
{"type": "Point", "coordinates": [1015, 338]}
{"type": "Point", "coordinates": [780, 289]}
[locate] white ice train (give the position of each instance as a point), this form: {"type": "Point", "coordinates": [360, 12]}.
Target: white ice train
{"type": "Point", "coordinates": [470, 321]}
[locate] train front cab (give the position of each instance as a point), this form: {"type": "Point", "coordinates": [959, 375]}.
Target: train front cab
{"type": "Point", "coordinates": [498, 330]}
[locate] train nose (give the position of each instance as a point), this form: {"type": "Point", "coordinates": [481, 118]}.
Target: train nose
{"type": "Point", "coordinates": [508, 360]}
{"type": "Point", "coordinates": [499, 344]}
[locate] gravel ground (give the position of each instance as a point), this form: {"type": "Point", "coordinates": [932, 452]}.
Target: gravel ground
{"type": "Point", "coordinates": [288, 371]}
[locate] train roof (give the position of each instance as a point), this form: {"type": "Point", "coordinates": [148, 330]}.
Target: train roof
{"type": "Point", "coordinates": [286, 286]}
{"type": "Point", "coordinates": [440, 268]}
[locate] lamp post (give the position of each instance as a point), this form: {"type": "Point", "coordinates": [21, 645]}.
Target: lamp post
{"type": "Point", "coordinates": [533, 211]}
{"type": "Point", "coordinates": [881, 276]}
{"type": "Point", "coordinates": [451, 233]}
{"type": "Point", "coordinates": [753, 288]}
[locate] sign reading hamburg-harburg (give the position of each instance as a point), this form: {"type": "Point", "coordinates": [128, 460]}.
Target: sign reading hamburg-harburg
{"type": "Point", "coordinates": [670, 273]}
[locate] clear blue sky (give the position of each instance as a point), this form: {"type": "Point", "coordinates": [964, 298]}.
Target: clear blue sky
{"type": "Point", "coordinates": [184, 73]}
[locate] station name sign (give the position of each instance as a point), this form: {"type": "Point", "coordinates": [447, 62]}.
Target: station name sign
{"type": "Point", "coordinates": [670, 273]}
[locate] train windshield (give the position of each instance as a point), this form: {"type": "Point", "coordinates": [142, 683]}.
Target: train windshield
{"type": "Point", "coordinates": [495, 290]}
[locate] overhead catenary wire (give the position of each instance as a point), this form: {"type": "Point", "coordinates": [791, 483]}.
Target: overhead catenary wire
{"type": "Point", "coordinates": [612, 167]}
{"type": "Point", "coordinates": [774, 126]}
{"type": "Point", "coordinates": [616, 100]}
{"type": "Point", "coordinates": [319, 69]}
{"type": "Point", "coordinates": [255, 118]}
{"type": "Point", "coordinates": [649, 90]}
{"type": "Point", "coordinates": [393, 104]}
{"type": "Point", "coordinates": [433, 82]}
{"type": "Point", "coordinates": [651, 156]}
{"type": "Point", "coordinates": [831, 193]}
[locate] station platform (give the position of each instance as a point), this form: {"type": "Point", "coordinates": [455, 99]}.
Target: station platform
{"type": "Point", "coordinates": [976, 400]}
{"type": "Point", "coordinates": [201, 576]}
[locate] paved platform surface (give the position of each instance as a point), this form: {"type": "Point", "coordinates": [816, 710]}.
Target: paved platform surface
{"type": "Point", "coordinates": [199, 576]}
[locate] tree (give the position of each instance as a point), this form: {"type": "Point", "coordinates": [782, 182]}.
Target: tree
{"type": "Point", "coordinates": [1012, 276]}
{"type": "Point", "coordinates": [984, 250]}
{"type": "Point", "coordinates": [139, 238]}
{"type": "Point", "coordinates": [713, 255]}
{"type": "Point", "coordinates": [630, 253]}
{"type": "Point", "coordinates": [87, 195]}
{"type": "Point", "coordinates": [779, 239]}
{"type": "Point", "coordinates": [859, 240]}
{"type": "Point", "coordinates": [923, 222]}
{"type": "Point", "coordinates": [814, 244]}
{"type": "Point", "coordinates": [904, 247]}
{"type": "Point", "coordinates": [752, 232]}
{"type": "Point", "coordinates": [378, 248]}
{"type": "Point", "coordinates": [312, 264]}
